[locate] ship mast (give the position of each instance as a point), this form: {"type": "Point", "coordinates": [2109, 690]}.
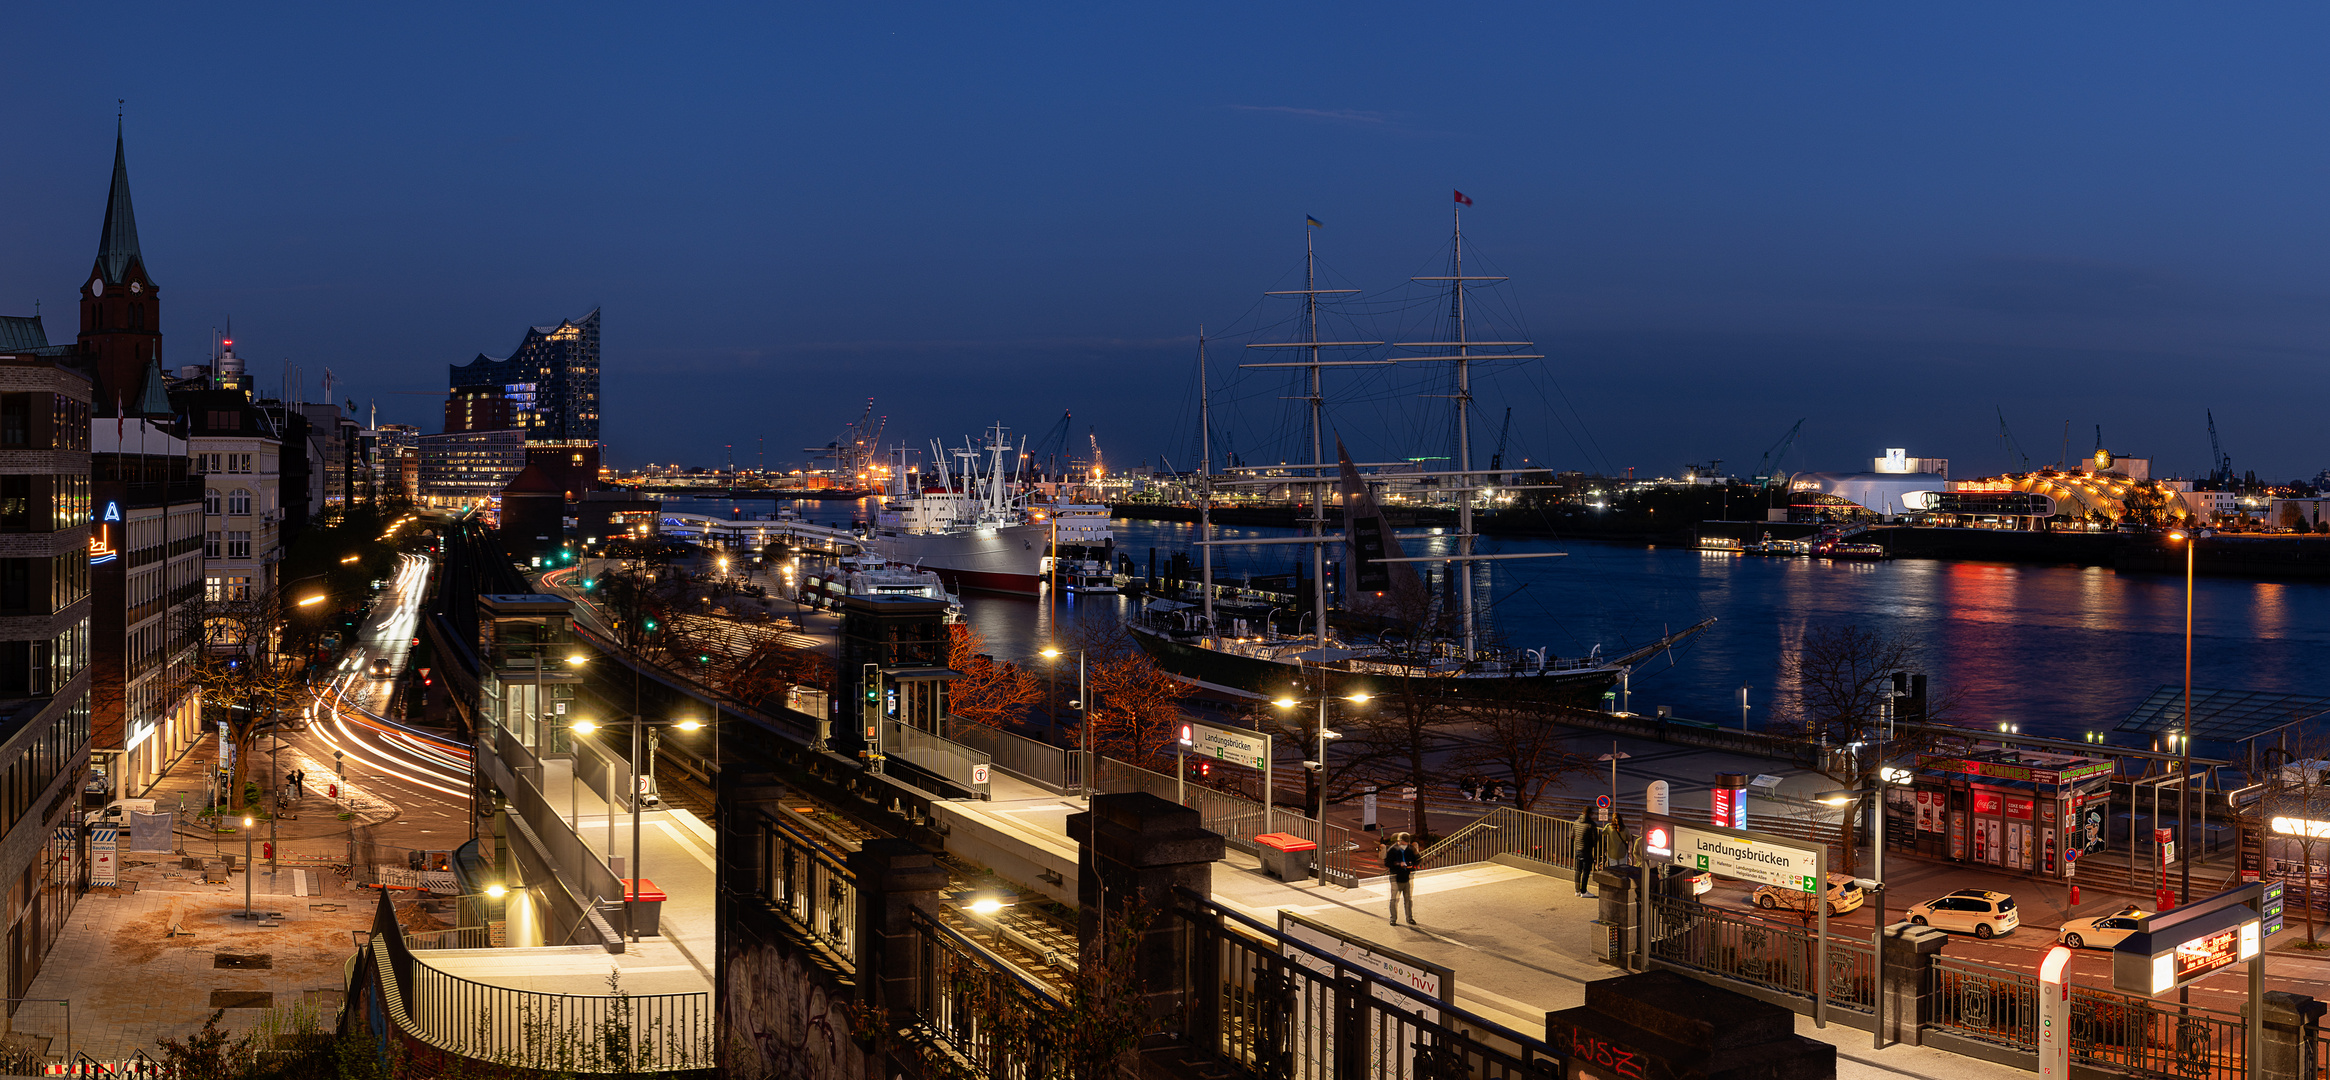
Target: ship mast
{"type": "Point", "coordinates": [1463, 357]}
{"type": "Point", "coordinates": [1205, 480]}
{"type": "Point", "coordinates": [1315, 468]}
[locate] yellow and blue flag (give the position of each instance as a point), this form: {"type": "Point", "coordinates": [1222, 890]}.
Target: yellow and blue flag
{"type": "Point", "coordinates": [1315, 223]}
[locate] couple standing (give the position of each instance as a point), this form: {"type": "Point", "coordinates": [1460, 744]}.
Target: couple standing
{"type": "Point", "coordinates": [1597, 845]}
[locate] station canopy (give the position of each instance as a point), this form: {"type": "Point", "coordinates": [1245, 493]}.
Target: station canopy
{"type": "Point", "coordinates": [2222, 716]}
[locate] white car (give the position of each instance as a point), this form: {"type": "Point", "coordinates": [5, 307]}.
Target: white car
{"type": "Point", "coordinates": [1979, 912]}
{"type": "Point", "coordinates": [2102, 931]}
{"type": "Point", "coordinates": [1844, 895]}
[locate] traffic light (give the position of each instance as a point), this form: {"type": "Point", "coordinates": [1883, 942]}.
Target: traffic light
{"type": "Point", "coordinates": [870, 688]}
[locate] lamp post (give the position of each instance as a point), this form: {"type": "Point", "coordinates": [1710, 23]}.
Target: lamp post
{"type": "Point", "coordinates": [248, 869]}
{"type": "Point", "coordinates": [631, 888]}
{"type": "Point", "coordinates": [1315, 770]}
{"type": "Point", "coordinates": [1874, 883]}
{"type": "Point", "coordinates": [2190, 538]}
{"type": "Point", "coordinates": [1083, 705]}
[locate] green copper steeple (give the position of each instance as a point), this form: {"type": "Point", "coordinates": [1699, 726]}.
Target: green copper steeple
{"type": "Point", "coordinates": [118, 246]}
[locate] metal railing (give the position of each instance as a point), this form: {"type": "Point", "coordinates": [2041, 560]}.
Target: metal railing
{"type": "Point", "coordinates": [935, 754]}
{"type": "Point", "coordinates": [586, 875]}
{"type": "Point", "coordinates": [1059, 769]}
{"type": "Point", "coordinates": [1272, 1006]}
{"type": "Point", "coordinates": [583, 1033]}
{"type": "Point", "coordinates": [2120, 1032]}
{"type": "Point", "coordinates": [1506, 831]}
{"type": "Point", "coordinates": [1239, 820]}
{"type": "Point", "coordinates": [460, 937]}
{"type": "Point", "coordinates": [809, 883]}
{"type": "Point", "coordinates": [1761, 952]}
{"type": "Point", "coordinates": [975, 1005]}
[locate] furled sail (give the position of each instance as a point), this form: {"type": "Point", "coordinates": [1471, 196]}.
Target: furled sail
{"type": "Point", "coordinates": [1385, 590]}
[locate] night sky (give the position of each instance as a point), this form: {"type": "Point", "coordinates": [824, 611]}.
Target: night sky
{"type": "Point", "coordinates": [1892, 220]}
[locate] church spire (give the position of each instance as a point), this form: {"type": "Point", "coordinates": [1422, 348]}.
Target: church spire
{"type": "Point", "coordinates": [117, 247]}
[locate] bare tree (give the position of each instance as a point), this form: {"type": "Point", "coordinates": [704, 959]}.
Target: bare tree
{"type": "Point", "coordinates": [1522, 739]}
{"type": "Point", "coordinates": [1837, 692]}
{"type": "Point", "coordinates": [249, 669]}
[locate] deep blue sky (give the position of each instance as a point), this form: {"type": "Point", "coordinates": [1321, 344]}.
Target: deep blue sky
{"type": "Point", "coordinates": [1891, 219]}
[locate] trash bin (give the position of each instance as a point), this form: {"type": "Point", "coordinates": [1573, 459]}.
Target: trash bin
{"type": "Point", "coordinates": [647, 906]}
{"type": "Point", "coordinates": [1286, 856]}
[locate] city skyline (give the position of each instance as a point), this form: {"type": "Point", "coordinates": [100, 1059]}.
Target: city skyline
{"type": "Point", "coordinates": [1716, 222]}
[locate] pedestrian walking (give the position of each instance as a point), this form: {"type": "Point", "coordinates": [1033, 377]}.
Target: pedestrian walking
{"type": "Point", "coordinates": [1589, 848]}
{"type": "Point", "coordinates": [298, 783]}
{"type": "Point", "coordinates": [1401, 859]}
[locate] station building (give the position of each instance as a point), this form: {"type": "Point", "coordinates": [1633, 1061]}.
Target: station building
{"type": "Point", "coordinates": [2017, 810]}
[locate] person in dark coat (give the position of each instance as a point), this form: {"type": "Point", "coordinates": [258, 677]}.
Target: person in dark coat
{"type": "Point", "coordinates": [1589, 849]}
{"type": "Point", "coordinates": [1401, 859]}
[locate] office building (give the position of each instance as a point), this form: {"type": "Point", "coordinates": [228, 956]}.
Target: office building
{"type": "Point", "coordinates": [145, 575]}
{"type": "Point", "coordinates": [550, 385]}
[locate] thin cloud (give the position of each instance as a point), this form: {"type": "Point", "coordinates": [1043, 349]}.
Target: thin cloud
{"type": "Point", "coordinates": [1332, 116]}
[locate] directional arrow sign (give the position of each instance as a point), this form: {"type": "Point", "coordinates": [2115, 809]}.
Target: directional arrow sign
{"type": "Point", "coordinates": [1758, 861]}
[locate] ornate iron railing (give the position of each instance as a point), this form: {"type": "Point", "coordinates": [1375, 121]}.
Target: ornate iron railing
{"type": "Point", "coordinates": [809, 883]}
{"type": "Point", "coordinates": [1271, 1007]}
{"type": "Point", "coordinates": [1765, 952]}
{"type": "Point", "coordinates": [975, 1006]}
{"type": "Point", "coordinates": [2120, 1032]}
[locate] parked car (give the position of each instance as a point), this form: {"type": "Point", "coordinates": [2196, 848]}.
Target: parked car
{"type": "Point", "coordinates": [1844, 895]}
{"type": "Point", "coordinates": [382, 670]}
{"type": "Point", "coordinates": [1979, 912]}
{"type": "Point", "coordinates": [2102, 931]}
{"type": "Point", "coordinates": [1684, 881]}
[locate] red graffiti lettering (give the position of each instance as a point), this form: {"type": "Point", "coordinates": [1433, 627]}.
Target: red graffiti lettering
{"type": "Point", "coordinates": [1617, 1060]}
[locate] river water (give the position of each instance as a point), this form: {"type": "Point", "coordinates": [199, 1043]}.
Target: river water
{"type": "Point", "coordinates": [2054, 650]}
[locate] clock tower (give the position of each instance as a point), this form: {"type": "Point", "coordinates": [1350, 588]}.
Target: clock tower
{"type": "Point", "coordinates": [121, 316]}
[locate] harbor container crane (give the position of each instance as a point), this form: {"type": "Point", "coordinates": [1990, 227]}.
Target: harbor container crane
{"type": "Point", "coordinates": [2220, 464]}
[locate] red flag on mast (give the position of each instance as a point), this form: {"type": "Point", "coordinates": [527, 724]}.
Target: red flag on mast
{"type": "Point", "coordinates": [1460, 198]}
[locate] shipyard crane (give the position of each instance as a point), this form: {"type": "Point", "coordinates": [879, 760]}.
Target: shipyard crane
{"type": "Point", "coordinates": [1050, 448]}
{"type": "Point", "coordinates": [1092, 434]}
{"type": "Point", "coordinates": [2007, 443]}
{"type": "Point", "coordinates": [2220, 465]}
{"type": "Point", "coordinates": [1768, 470]}
{"type": "Point", "coordinates": [1497, 459]}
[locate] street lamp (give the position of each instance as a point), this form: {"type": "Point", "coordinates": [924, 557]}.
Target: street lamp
{"type": "Point", "coordinates": [1084, 729]}
{"type": "Point", "coordinates": [2191, 540]}
{"type": "Point", "coordinates": [1874, 884]}
{"type": "Point", "coordinates": [1315, 771]}
{"type": "Point", "coordinates": [631, 888]}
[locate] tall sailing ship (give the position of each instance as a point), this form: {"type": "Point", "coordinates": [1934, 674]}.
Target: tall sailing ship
{"type": "Point", "coordinates": [1394, 634]}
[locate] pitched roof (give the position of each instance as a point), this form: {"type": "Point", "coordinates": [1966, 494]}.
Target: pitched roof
{"type": "Point", "coordinates": [22, 332]}
{"type": "Point", "coordinates": [117, 246]}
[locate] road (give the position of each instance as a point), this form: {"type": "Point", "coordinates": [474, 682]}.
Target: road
{"type": "Point", "coordinates": [2022, 949]}
{"type": "Point", "coordinates": [422, 776]}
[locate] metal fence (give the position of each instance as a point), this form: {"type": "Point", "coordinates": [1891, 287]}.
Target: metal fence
{"type": "Point", "coordinates": [1275, 1007]}
{"type": "Point", "coordinates": [1059, 769]}
{"type": "Point", "coordinates": [2119, 1032]}
{"type": "Point", "coordinates": [1761, 952]}
{"type": "Point", "coordinates": [608, 1033]}
{"type": "Point", "coordinates": [809, 883]}
{"type": "Point", "coordinates": [935, 754]}
{"type": "Point", "coordinates": [1342, 858]}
